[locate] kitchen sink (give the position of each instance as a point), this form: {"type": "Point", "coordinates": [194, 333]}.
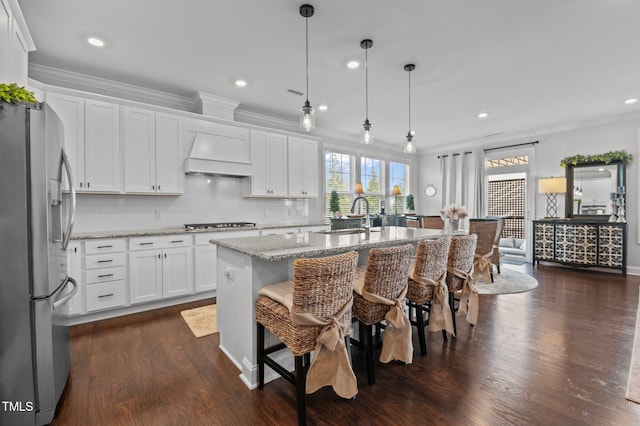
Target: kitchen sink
{"type": "Point", "coordinates": [348, 231]}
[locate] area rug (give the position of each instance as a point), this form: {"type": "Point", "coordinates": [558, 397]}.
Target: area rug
{"type": "Point", "coordinates": [202, 321]}
{"type": "Point", "coordinates": [512, 261]}
{"type": "Point", "coordinates": [633, 382]}
{"type": "Point", "coordinates": [507, 282]}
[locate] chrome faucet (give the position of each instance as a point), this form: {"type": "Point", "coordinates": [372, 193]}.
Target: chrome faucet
{"type": "Point", "coordinates": [353, 208]}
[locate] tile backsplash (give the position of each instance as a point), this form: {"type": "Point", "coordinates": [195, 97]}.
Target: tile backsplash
{"type": "Point", "coordinates": [206, 199]}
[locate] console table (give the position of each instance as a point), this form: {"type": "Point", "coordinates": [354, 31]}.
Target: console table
{"type": "Point", "coordinates": [581, 243]}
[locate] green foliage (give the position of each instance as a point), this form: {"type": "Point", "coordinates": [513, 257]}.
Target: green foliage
{"type": "Point", "coordinates": [334, 202]}
{"type": "Point", "coordinates": [606, 158]}
{"type": "Point", "coordinates": [12, 93]}
{"type": "Point", "coordinates": [410, 204]}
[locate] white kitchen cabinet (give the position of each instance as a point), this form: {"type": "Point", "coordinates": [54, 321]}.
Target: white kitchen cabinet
{"type": "Point", "coordinates": [74, 269]}
{"type": "Point", "coordinates": [269, 158]}
{"type": "Point", "coordinates": [102, 146]}
{"type": "Point", "coordinates": [302, 167]}
{"type": "Point", "coordinates": [105, 275]}
{"type": "Point", "coordinates": [169, 154]}
{"type": "Point", "coordinates": [153, 152]}
{"type": "Point", "coordinates": [15, 44]}
{"type": "Point", "coordinates": [91, 140]}
{"type": "Point", "coordinates": [70, 109]}
{"type": "Point", "coordinates": [163, 272]}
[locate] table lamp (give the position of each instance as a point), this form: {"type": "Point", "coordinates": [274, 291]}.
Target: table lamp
{"type": "Point", "coordinates": [552, 186]}
{"type": "Point", "coordinates": [396, 193]}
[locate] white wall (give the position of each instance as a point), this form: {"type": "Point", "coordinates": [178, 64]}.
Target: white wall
{"type": "Point", "coordinates": [553, 147]}
{"type": "Point", "coordinates": [206, 199]}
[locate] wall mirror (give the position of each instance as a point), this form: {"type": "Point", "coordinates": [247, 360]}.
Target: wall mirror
{"type": "Point", "coordinates": [595, 190]}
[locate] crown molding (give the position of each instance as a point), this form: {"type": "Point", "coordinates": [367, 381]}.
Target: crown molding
{"type": "Point", "coordinates": [73, 80]}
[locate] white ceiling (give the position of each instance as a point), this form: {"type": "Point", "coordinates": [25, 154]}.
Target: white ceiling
{"type": "Point", "coordinates": [532, 64]}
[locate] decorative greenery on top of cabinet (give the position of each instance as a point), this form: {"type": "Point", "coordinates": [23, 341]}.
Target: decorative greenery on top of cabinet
{"type": "Point", "coordinates": [606, 158]}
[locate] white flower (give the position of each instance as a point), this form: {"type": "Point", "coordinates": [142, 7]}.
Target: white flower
{"type": "Point", "coordinates": [453, 211]}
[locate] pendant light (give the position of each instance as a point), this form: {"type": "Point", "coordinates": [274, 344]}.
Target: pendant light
{"type": "Point", "coordinates": [366, 133]}
{"type": "Point", "coordinates": [307, 113]}
{"type": "Point", "coordinates": [409, 144]}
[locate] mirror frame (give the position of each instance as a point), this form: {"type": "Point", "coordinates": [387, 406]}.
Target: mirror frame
{"type": "Point", "coordinates": [620, 181]}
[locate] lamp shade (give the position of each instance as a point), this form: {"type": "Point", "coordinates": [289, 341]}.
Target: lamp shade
{"type": "Point", "coordinates": [396, 191]}
{"type": "Point", "coordinates": [359, 189]}
{"type": "Point", "coordinates": [552, 185]}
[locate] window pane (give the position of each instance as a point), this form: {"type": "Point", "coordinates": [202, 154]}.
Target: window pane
{"type": "Point", "coordinates": [399, 175]}
{"type": "Point", "coordinates": [338, 178]}
{"type": "Point", "coordinates": [370, 173]}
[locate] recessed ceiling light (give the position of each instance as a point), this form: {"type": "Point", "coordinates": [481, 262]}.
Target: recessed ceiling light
{"type": "Point", "coordinates": [323, 107]}
{"type": "Point", "coordinates": [483, 115]}
{"type": "Point", "coordinates": [95, 42]}
{"type": "Point", "coordinates": [241, 83]}
{"type": "Point", "coordinates": [353, 64]}
{"type": "Point", "coordinates": [631, 101]}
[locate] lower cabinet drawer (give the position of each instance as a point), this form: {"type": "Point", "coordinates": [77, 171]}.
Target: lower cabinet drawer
{"type": "Point", "coordinates": [104, 275]}
{"type": "Point", "coordinates": [106, 295]}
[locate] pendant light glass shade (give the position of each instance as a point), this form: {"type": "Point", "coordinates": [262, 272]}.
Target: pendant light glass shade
{"type": "Point", "coordinates": [409, 144]}
{"type": "Point", "coordinates": [366, 131]}
{"type": "Point", "coordinates": [307, 113]}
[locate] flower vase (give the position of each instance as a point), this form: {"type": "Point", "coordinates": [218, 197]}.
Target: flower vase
{"type": "Point", "coordinates": [454, 224]}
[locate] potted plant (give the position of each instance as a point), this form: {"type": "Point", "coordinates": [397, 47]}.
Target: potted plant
{"type": "Point", "coordinates": [14, 94]}
{"type": "Point", "coordinates": [411, 208]}
{"type": "Point", "coordinates": [334, 204]}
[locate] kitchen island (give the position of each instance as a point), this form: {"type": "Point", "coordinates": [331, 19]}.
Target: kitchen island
{"type": "Point", "coordinates": [245, 265]}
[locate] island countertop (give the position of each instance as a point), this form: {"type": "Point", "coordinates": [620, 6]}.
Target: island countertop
{"type": "Point", "coordinates": [273, 248]}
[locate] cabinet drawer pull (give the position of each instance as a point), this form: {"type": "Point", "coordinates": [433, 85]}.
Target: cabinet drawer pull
{"type": "Point", "coordinates": [177, 241]}
{"type": "Point", "coordinates": [105, 275]}
{"type": "Point", "coordinates": [105, 246]}
{"type": "Point", "coordinates": [146, 244]}
{"type": "Point", "coordinates": [105, 261]}
{"type": "Point", "coordinates": [105, 295]}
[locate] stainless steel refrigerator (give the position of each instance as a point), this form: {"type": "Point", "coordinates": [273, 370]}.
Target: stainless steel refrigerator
{"type": "Point", "coordinates": [36, 219]}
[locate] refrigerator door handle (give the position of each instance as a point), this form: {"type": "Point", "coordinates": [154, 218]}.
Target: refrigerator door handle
{"type": "Point", "coordinates": [67, 279]}
{"type": "Point", "coordinates": [64, 299]}
{"type": "Point", "coordinates": [64, 161]}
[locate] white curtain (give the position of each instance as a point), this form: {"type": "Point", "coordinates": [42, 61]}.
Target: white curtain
{"type": "Point", "coordinates": [477, 204]}
{"type": "Point", "coordinates": [460, 180]}
{"type": "Point", "coordinates": [444, 175]}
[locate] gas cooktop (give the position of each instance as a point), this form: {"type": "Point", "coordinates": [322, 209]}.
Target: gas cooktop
{"type": "Point", "coordinates": [198, 226]}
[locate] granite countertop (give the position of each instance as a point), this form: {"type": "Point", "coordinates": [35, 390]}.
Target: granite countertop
{"type": "Point", "coordinates": [181, 230]}
{"type": "Point", "coordinates": [274, 248]}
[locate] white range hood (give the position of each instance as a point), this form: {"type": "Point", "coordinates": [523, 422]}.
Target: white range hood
{"type": "Point", "coordinates": [219, 149]}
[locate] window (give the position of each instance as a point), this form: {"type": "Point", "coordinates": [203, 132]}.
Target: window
{"type": "Point", "coordinates": [398, 175]}
{"type": "Point", "coordinates": [370, 175]}
{"type": "Point", "coordinates": [338, 177]}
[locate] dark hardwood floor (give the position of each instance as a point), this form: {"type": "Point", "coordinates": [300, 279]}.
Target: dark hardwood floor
{"type": "Point", "coordinates": [558, 355]}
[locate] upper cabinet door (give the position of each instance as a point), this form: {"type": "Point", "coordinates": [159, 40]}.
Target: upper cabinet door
{"type": "Point", "coordinates": [102, 147]}
{"type": "Point", "coordinates": [303, 168]}
{"type": "Point", "coordinates": [5, 36]}
{"type": "Point", "coordinates": [269, 158]}
{"type": "Point", "coordinates": [70, 109]}
{"type": "Point", "coordinates": [139, 148]}
{"type": "Point", "coordinates": [169, 154]}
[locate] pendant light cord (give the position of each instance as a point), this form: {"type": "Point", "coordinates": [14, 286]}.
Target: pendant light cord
{"type": "Point", "coordinates": [366, 83]}
{"type": "Point", "coordinates": [306, 23]}
{"type": "Point", "coordinates": [409, 102]}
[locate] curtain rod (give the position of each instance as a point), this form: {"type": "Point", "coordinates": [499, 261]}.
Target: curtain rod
{"type": "Point", "coordinates": [511, 146]}
{"type": "Point", "coordinates": [453, 155]}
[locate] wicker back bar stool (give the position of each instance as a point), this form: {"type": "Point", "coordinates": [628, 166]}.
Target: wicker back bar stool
{"type": "Point", "coordinates": [310, 313]}
{"type": "Point", "coordinates": [460, 277]}
{"type": "Point", "coordinates": [378, 295]}
{"type": "Point", "coordinates": [495, 257]}
{"type": "Point", "coordinates": [432, 222]}
{"type": "Point", "coordinates": [486, 230]}
{"type": "Point", "coordinates": [427, 289]}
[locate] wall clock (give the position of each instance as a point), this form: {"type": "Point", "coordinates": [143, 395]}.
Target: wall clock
{"type": "Point", "coordinates": [430, 191]}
